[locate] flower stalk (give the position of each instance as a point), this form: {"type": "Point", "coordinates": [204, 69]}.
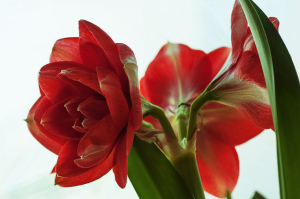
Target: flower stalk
{"type": "Point", "coordinates": [181, 117]}
{"type": "Point", "coordinates": [158, 113]}
{"type": "Point", "coordinates": [186, 165]}
{"type": "Point", "coordinates": [195, 107]}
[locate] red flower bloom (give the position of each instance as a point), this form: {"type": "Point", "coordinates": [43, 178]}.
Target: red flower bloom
{"type": "Point", "coordinates": [242, 84]}
{"type": "Point", "coordinates": [89, 107]}
{"type": "Point", "coordinates": [179, 74]}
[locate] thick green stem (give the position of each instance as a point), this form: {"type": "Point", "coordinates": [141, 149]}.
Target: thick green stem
{"type": "Point", "coordinates": [186, 165]}
{"type": "Point", "coordinates": [228, 195]}
{"type": "Point", "coordinates": [157, 113]}
{"type": "Point", "coordinates": [147, 125]}
{"type": "Point", "coordinates": [195, 107]}
{"type": "Point", "coordinates": [181, 117]}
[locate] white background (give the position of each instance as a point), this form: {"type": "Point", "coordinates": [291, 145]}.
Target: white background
{"type": "Point", "coordinates": [28, 30]}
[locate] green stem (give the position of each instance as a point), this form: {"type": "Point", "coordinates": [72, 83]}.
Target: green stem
{"type": "Point", "coordinates": [181, 117]}
{"type": "Point", "coordinates": [195, 107]}
{"type": "Point", "coordinates": [147, 125]}
{"type": "Point", "coordinates": [228, 195]}
{"type": "Point", "coordinates": [158, 113]}
{"type": "Point", "coordinates": [186, 165]}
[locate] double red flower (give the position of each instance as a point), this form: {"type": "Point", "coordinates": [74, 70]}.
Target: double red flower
{"type": "Point", "coordinates": [178, 74]}
{"type": "Point", "coordinates": [89, 107]}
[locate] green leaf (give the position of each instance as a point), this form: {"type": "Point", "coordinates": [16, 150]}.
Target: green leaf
{"type": "Point", "coordinates": [258, 196]}
{"type": "Point", "coordinates": [152, 175]}
{"type": "Point", "coordinates": [284, 91]}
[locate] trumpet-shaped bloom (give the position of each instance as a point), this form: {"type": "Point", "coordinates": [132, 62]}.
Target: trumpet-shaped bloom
{"type": "Point", "coordinates": [89, 107]}
{"type": "Point", "coordinates": [240, 109]}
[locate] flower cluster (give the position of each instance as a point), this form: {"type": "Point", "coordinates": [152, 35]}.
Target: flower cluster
{"type": "Point", "coordinates": [90, 104]}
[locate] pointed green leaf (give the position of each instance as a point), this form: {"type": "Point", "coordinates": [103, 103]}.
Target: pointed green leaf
{"type": "Point", "coordinates": [152, 175]}
{"type": "Point", "coordinates": [284, 91]}
{"type": "Point", "coordinates": [258, 196]}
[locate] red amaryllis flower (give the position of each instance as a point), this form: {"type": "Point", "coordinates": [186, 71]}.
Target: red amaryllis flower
{"type": "Point", "coordinates": [89, 107]}
{"type": "Point", "coordinates": [242, 83]}
{"type": "Point", "coordinates": [179, 74]}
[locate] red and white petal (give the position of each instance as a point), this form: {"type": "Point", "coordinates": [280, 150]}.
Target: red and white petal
{"type": "Point", "coordinates": [249, 44]}
{"type": "Point", "coordinates": [218, 164]}
{"type": "Point", "coordinates": [48, 140]}
{"type": "Point", "coordinates": [259, 113]}
{"type": "Point", "coordinates": [177, 74]}
{"type": "Point", "coordinates": [66, 49]}
{"type": "Point", "coordinates": [160, 83]}
{"type": "Point", "coordinates": [193, 68]}
{"type": "Point", "coordinates": [227, 124]}
{"type": "Point", "coordinates": [238, 30]}
{"type": "Point", "coordinates": [131, 69]}
{"type": "Point", "coordinates": [110, 86]}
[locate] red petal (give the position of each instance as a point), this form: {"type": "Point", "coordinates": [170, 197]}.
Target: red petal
{"type": "Point", "coordinates": [194, 70]}
{"type": "Point", "coordinates": [177, 74]}
{"type": "Point", "coordinates": [275, 22]}
{"type": "Point", "coordinates": [58, 121]}
{"type": "Point", "coordinates": [122, 152]}
{"type": "Point", "coordinates": [78, 125]}
{"type": "Point", "coordinates": [89, 176]}
{"type": "Point", "coordinates": [160, 83]}
{"type": "Point", "coordinates": [131, 70]}
{"type": "Point", "coordinates": [72, 106]}
{"type": "Point", "coordinates": [120, 169]}
{"type": "Point", "coordinates": [249, 68]}
{"type": "Point", "coordinates": [94, 108]}
{"type": "Point", "coordinates": [217, 59]}
{"type": "Point", "coordinates": [130, 133]}
{"type": "Point", "coordinates": [48, 140]}
{"type": "Point", "coordinates": [58, 87]}
{"type": "Point", "coordinates": [249, 44]}
{"type": "Point", "coordinates": [88, 123]}
{"type": "Point", "coordinates": [93, 56]}
{"type": "Point", "coordinates": [259, 113]}
{"type": "Point", "coordinates": [97, 143]}
{"type": "Point", "coordinates": [238, 30]}
{"type": "Point", "coordinates": [218, 164]}
{"type": "Point", "coordinates": [116, 101]}
{"type": "Point", "coordinates": [66, 49]}
{"type": "Point", "coordinates": [65, 165]}
{"type": "Point", "coordinates": [228, 124]}
{"type": "Point", "coordinates": [84, 76]}
{"type": "Point", "coordinates": [92, 33]}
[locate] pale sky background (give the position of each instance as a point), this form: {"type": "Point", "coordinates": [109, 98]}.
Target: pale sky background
{"type": "Point", "coordinates": [30, 28]}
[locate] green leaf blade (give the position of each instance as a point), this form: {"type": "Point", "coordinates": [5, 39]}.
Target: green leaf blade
{"type": "Point", "coordinates": [284, 91]}
{"type": "Point", "coordinates": [152, 175]}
